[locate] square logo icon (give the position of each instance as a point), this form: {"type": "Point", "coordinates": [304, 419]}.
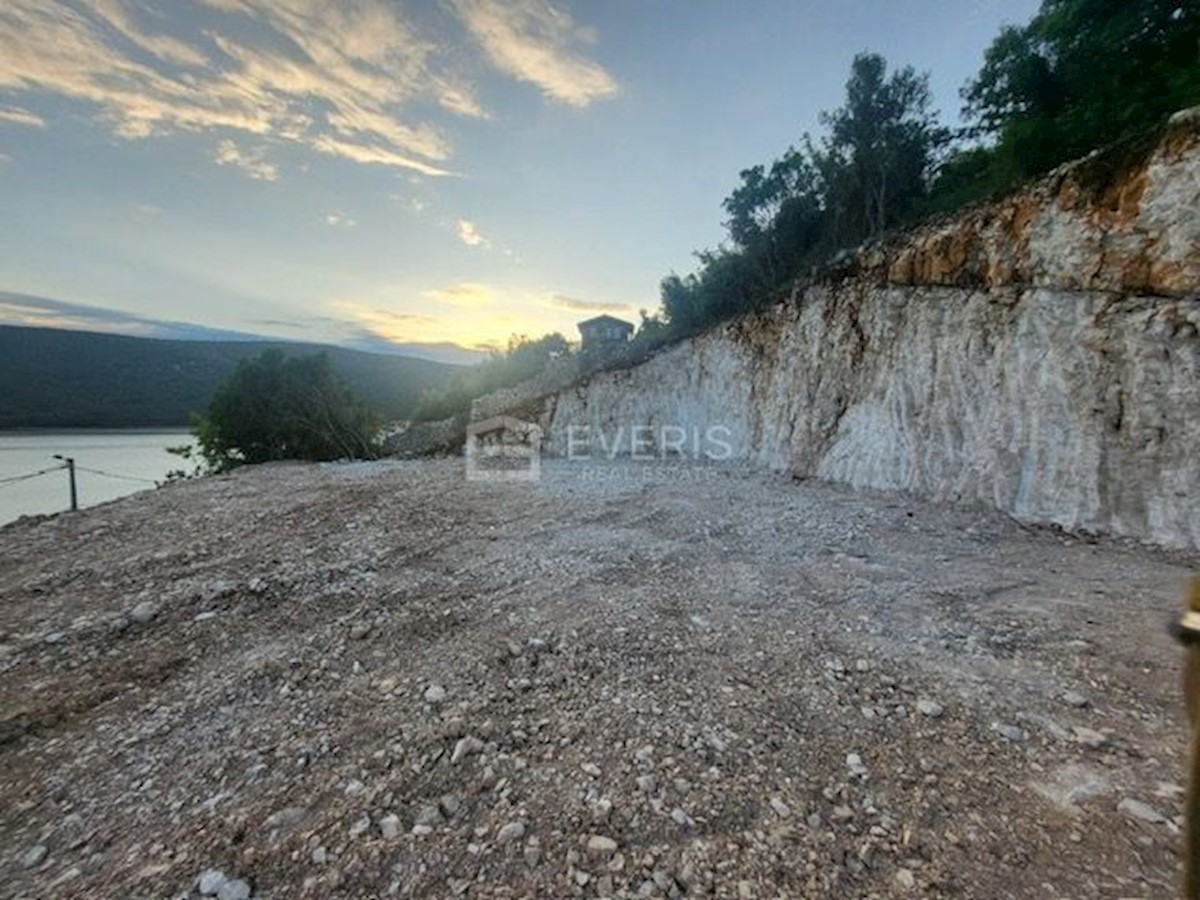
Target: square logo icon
{"type": "Point", "coordinates": [503, 448]}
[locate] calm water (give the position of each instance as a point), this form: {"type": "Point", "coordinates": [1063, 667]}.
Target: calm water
{"type": "Point", "coordinates": [132, 454]}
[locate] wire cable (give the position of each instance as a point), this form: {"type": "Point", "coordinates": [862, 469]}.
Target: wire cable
{"type": "Point", "coordinates": [16, 478]}
{"type": "Point", "coordinates": [80, 468]}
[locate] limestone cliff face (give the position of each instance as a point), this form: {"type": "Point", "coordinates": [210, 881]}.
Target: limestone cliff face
{"type": "Point", "coordinates": [1039, 354]}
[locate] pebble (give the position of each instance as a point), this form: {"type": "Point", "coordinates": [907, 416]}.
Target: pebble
{"type": "Point", "coordinates": [513, 831]}
{"type": "Point", "coordinates": [1139, 810]}
{"type": "Point", "coordinates": [647, 784]}
{"type": "Point", "coordinates": [601, 810]}
{"type": "Point", "coordinates": [1089, 737]}
{"type": "Point", "coordinates": [143, 612]}
{"type": "Point", "coordinates": [359, 630]}
{"type": "Point", "coordinates": [210, 882]}
{"type": "Point", "coordinates": [361, 826]}
{"type": "Point", "coordinates": [1076, 699]}
{"type": "Point", "coordinates": [905, 879]}
{"type": "Point", "coordinates": [855, 764]}
{"type": "Point", "coordinates": [320, 856]}
{"type": "Point", "coordinates": [234, 890]}
{"type": "Point", "coordinates": [465, 747]}
{"type": "Point", "coordinates": [435, 693]}
{"type": "Point", "coordinates": [781, 809]}
{"type": "Point", "coordinates": [34, 856]}
{"type": "Point", "coordinates": [55, 637]}
{"type": "Point", "coordinates": [591, 769]}
{"type": "Point", "coordinates": [679, 817]}
{"type": "Point", "coordinates": [429, 815]}
{"type": "Point", "coordinates": [1009, 732]}
{"type": "Point", "coordinates": [599, 845]}
{"type": "Point", "coordinates": [389, 827]}
{"type": "Point", "coordinates": [930, 708]}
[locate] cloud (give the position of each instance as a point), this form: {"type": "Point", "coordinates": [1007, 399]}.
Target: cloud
{"type": "Point", "coordinates": [466, 294]}
{"type": "Point", "coordinates": [253, 161]}
{"type": "Point", "coordinates": [335, 220]}
{"type": "Point", "coordinates": [354, 79]}
{"type": "Point", "coordinates": [18, 116]}
{"type": "Point", "coordinates": [469, 234]}
{"type": "Point", "coordinates": [533, 41]}
{"type": "Point", "coordinates": [561, 301]}
{"type": "Point", "coordinates": [148, 209]}
{"type": "Point", "coordinates": [43, 312]}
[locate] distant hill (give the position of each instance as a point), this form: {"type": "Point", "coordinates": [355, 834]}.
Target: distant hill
{"type": "Point", "coordinates": [52, 378]}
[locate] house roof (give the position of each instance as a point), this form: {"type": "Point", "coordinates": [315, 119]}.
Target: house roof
{"type": "Point", "coordinates": [605, 320]}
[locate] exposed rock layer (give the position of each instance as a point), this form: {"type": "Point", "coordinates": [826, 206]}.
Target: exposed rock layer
{"type": "Point", "coordinates": [1040, 354]}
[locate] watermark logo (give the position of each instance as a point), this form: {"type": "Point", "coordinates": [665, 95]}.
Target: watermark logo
{"type": "Point", "coordinates": [503, 448]}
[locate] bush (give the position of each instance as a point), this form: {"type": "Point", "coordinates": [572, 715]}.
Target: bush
{"type": "Point", "coordinates": [277, 407]}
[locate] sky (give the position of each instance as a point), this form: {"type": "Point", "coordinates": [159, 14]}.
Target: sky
{"type": "Point", "coordinates": [431, 176]}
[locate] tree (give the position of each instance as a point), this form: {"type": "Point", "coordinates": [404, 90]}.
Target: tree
{"type": "Point", "coordinates": [1082, 74]}
{"type": "Point", "coordinates": [276, 407]}
{"type": "Point", "coordinates": [876, 162]}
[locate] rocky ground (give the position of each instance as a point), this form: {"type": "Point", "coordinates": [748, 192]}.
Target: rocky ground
{"type": "Point", "coordinates": [381, 679]}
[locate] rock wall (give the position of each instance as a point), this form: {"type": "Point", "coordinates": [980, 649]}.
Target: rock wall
{"type": "Point", "coordinates": [1039, 354]}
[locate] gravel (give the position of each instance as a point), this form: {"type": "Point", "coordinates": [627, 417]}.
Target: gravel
{"type": "Point", "coordinates": [650, 685]}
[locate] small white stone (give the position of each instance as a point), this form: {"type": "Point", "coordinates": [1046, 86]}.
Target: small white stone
{"type": "Point", "coordinates": [591, 769]}
{"type": "Point", "coordinates": [210, 882]}
{"type": "Point", "coordinates": [234, 890]}
{"type": "Point", "coordinates": [143, 612]}
{"type": "Point", "coordinates": [1139, 810]}
{"type": "Point", "coordinates": [513, 831]}
{"type": "Point", "coordinates": [905, 879]}
{"type": "Point", "coordinates": [679, 817]}
{"type": "Point", "coordinates": [601, 846]}
{"type": "Point", "coordinates": [781, 809]}
{"type": "Point", "coordinates": [389, 826]}
{"type": "Point", "coordinates": [933, 710]}
{"type": "Point", "coordinates": [435, 693]}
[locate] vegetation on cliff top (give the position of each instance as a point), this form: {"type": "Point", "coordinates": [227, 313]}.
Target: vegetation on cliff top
{"type": "Point", "coordinates": [1080, 75]}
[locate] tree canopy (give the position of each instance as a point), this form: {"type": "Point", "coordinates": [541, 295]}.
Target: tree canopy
{"type": "Point", "coordinates": [1080, 75]}
{"type": "Point", "coordinates": [275, 407]}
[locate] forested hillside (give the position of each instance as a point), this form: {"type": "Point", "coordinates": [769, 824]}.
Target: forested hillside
{"type": "Point", "coordinates": [61, 379]}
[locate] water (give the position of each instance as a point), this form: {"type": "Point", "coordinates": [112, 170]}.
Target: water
{"type": "Point", "coordinates": [132, 454]}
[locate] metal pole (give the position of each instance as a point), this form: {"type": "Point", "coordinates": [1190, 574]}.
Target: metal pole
{"type": "Point", "coordinates": [70, 461]}
{"type": "Point", "coordinates": [71, 476]}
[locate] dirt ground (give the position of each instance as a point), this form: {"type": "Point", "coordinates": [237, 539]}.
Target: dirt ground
{"type": "Point", "coordinates": [380, 679]}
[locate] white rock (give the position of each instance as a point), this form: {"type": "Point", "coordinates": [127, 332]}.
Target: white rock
{"type": "Point", "coordinates": [679, 817]}
{"type": "Point", "coordinates": [905, 879]}
{"type": "Point", "coordinates": [143, 612]}
{"type": "Point", "coordinates": [591, 769]}
{"type": "Point", "coordinates": [781, 809]}
{"type": "Point", "coordinates": [389, 827]}
{"type": "Point", "coordinates": [210, 882]}
{"type": "Point", "coordinates": [465, 747]}
{"type": "Point", "coordinates": [601, 846]}
{"type": "Point", "coordinates": [1076, 699]}
{"type": "Point", "coordinates": [1089, 737]}
{"type": "Point", "coordinates": [34, 856]}
{"type": "Point", "coordinates": [855, 764]}
{"type": "Point", "coordinates": [234, 890]}
{"type": "Point", "coordinates": [933, 710]}
{"type": "Point", "coordinates": [435, 693]}
{"type": "Point", "coordinates": [647, 783]}
{"type": "Point", "coordinates": [513, 831]}
{"type": "Point", "coordinates": [361, 826]}
{"type": "Point", "coordinates": [1139, 810]}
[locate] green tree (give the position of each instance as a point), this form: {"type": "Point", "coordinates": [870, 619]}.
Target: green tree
{"type": "Point", "coordinates": [882, 145]}
{"type": "Point", "coordinates": [1082, 74]}
{"type": "Point", "coordinates": [276, 407]}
